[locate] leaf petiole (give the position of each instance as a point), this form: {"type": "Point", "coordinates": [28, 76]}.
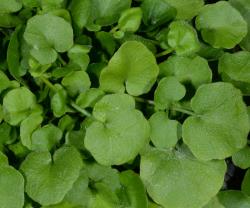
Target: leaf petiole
{"type": "Point", "coordinates": [81, 110]}
{"type": "Point", "coordinates": [164, 53]}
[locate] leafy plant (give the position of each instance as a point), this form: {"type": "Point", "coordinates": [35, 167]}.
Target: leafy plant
{"type": "Point", "coordinates": [124, 104]}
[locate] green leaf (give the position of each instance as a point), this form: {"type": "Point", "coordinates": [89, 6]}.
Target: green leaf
{"type": "Point", "coordinates": [157, 12]}
{"type": "Point", "coordinates": [76, 82]}
{"type": "Point", "coordinates": [220, 126]}
{"type": "Point", "coordinates": [107, 41]}
{"type": "Point", "coordinates": [186, 69]}
{"type": "Point", "coordinates": [9, 20]}
{"type": "Point", "coordinates": [170, 182]}
{"type": "Point", "coordinates": [126, 67]}
{"type": "Point", "coordinates": [27, 127]}
{"type": "Point", "coordinates": [45, 138]}
{"type": "Point", "coordinates": [48, 34]}
{"type": "Point", "coordinates": [234, 68]}
{"type": "Point", "coordinates": [9, 6]}
{"type": "Point", "coordinates": [134, 188]}
{"type": "Point", "coordinates": [18, 104]}
{"type": "Point", "coordinates": [89, 98]}
{"type": "Point", "coordinates": [233, 199]}
{"type": "Point", "coordinates": [168, 91]}
{"type": "Point", "coordinates": [75, 138]}
{"type": "Point", "coordinates": [118, 125]}
{"type": "Point", "coordinates": [245, 186]}
{"type": "Point", "coordinates": [183, 38]}
{"type": "Point", "coordinates": [130, 20]}
{"type": "Point", "coordinates": [58, 103]}
{"type": "Point", "coordinates": [164, 132]}
{"type": "Point", "coordinates": [12, 187]}
{"type": "Point", "coordinates": [49, 179]}
{"type": "Point", "coordinates": [186, 9]}
{"type": "Point", "coordinates": [3, 159]}
{"type": "Point", "coordinates": [214, 203]}
{"type": "Point", "coordinates": [241, 158]}
{"type": "Point", "coordinates": [243, 6]}
{"type": "Point", "coordinates": [6, 133]}
{"type": "Point", "coordinates": [221, 25]}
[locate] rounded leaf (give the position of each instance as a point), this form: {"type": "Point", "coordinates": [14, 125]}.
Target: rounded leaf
{"type": "Point", "coordinates": [221, 25]}
{"type": "Point", "coordinates": [170, 182]}
{"type": "Point", "coordinates": [49, 179]}
{"type": "Point", "coordinates": [233, 199]}
{"type": "Point", "coordinates": [221, 124]}
{"type": "Point", "coordinates": [9, 6]}
{"type": "Point", "coordinates": [245, 186]}
{"type": "Point", "coordinates": [132, 67]}
{"type": "Point", "coordinates": [119, 131]}
{"type": "Point", "coordinates": [241, 158]}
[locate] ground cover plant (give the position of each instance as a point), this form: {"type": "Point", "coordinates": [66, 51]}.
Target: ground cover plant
{"type": "Point", "coordinates": [124, 104]}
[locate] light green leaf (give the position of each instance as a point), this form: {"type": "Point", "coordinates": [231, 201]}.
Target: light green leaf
{"type": "Point", "coordinates": [132, 67]}
{"type": "Point", "coordinates": [221, 25]}
{"type": "Point", "coordinates": [58, 103]}
{"type": "Point", "coordinates": [234, 68]}
{"type": "Point", "coordinates": [233, 199]}
{"type": "Point", "coordinates": [89, 98]}
{"type": "Point", "coordinates": [118, 125]}
{"type": "Point", "coordinates": [130, 20]}
{"type": "Point", "coordinates": [134, 188]}
{"type": "Point", "coordinates": [170, 182]}
{"type": "Point", "coordinates": [44, 139]}
{"type": "Point", "coordinates": [221, 124]}
{"type": "Point", "coordinates": [48, 34]}
{"type": "Point", "coordinates": [183, 38]}
{"type": "Point", "coordinates": [49, 179]}
{"type": "Point", "coordinates": [10, 6]}
{"type": "Point", "coordinates": [241, 158]}
{"type": "Point", "coordinates": [245, 186]}
{"type": "Point", "coordinates": [186, 9]}
{"type": "Point", "coordinates": [164, 132]}
{"type": "Point", "coordinates": [186, 69]}
{"type": "Point", "coordinates": [214, 203]}
{"type": "Point", "coordinates": [76, 82]}
{"type": "Point", "coordinates": [12, 187]}
{"type": "Point", "coordinates": [3, 159]}
{"type": "Point", "coordinates": [168, 91]}
{"type": "Point", "coordinates": [18, 104]}
{"type": "Point", "coordinates": [27, 127]}
{"type": "Point", "coordinates": [157, 12]}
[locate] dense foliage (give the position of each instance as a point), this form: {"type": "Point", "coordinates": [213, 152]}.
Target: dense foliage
{"type": "Point", "coordinates": [124, 103]}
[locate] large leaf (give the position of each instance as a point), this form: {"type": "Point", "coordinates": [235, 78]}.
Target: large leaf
{"type": "Point", "coordinates": [119, 131]}
{"type": "Point", "coordinates": [49, 179]}
{"type": "Point", "coordinates": [221, 25]}
{"type": "Point", "coordinates": [133, 67]}
{"type": "Point", "coordinates": [48, 34]}
{"type": "Point", "coordinates": [9, 6]}
{"type": "Point", "coordinates": [170, 182]}
{"type": "Point", "coordinates": [220, 126]}
{"type": "Point", "coordinates": [233, 199]}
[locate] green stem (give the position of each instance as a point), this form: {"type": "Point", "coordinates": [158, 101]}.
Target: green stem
{"type": "Point", "coordinates": [81, 110]}
{"type": "Point", "coordinates": [114, 29]}
{"type": "Point", "coordinates": [142, 100]}
{"type": "Point", "coordinates": [164, 53]}
{"type": "Point", "coordinates": [61, 60]}
{"type": "Point", "coordinates": [182, 110]}
{"type": "Point", "coordinates": [48, 83]}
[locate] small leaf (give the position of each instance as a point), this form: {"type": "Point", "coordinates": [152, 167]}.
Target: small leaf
{"type": "Point", "coordinates": [221, 124]}
{"type": "Point", "coordinates": [10, 6]}
{"type": "Point", "coordinates": [233, 199]}
{"type": "Point", "coordinates": [49, 179]}
{"type": "Point", "coordinates": [245, 186]}
{"type": "Point", "coordinates": [168, 91]}
{"type": "Point", "coordinates": [127, 66]}
{"type": "Point", "coordinates": [164, 132]}
{"type": "Point", "coordinates": [241, 158]}
{"type": "Point", "coordinates": [183, 38]}
{"type": "Point", "coordinates": [221, 25]}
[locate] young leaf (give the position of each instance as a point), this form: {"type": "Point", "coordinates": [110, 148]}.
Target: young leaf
{"type": "Point", "coordinates": [183, 38]}
{"type": "Point", "coordinates": [221, 25]}
{"type": "Point", "coordinates": [165, 174]}
{"type": "Point", "coordinates": [49, 179]}
{"type": "Point", "coordinates": [164, 132]}
{"type": "Point", "coordinates": [118, 125]}
{"type": "Point", "coordinates": [241, 158]}
{"type": "Point", "coordinates": [132, 67]}
{"type": "Point", "coordinates": [233, 198]}
{"type": "Point", "coordinates": [220, 126]}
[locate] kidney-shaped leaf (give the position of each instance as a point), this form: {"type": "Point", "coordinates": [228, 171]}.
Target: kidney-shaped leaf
{"type": "Point", "coordinates": [221, 25]}
{"type": "Point", "coordinates": [174, 179]}
{"type": "Point", "coordinates": [119, 131]}
{"type": "Point", "coordinates": [48, 34]}
{"type": "Point", "coordinates": [221, 124]}
{"type": "Point", "coordinates": [49, 179]}
{"type": "Point", "coordinates": [134, 66]}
